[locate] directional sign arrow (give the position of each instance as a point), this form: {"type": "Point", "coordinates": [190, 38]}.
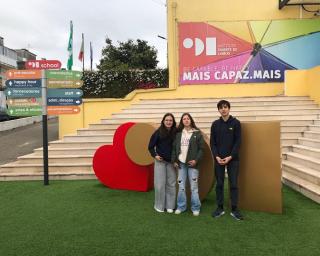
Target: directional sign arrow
{"type": "Point", "coordinates": [65, 93]}
{"type": "Point", "coordinates": [23, 74]}
{"type": "Point", "coordinates": [63, 101]}
{"type": "Point", "coordinates": [63, 75]}
{"type": "Point", "coordinates": [23, 92]}
{"type": "Point", "coordinates": [62, 110]}
{"type": "Point", "coordinates": [24, 102]}
{"type": "Point", "coordinates": [53, 83]}
{"type": "Point", "coordinates": [19, 83]}
{"type": "Point", "coordinates": [25, 111]}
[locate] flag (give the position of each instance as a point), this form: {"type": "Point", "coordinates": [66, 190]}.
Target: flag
{"type": "Point", "coordinates": [81, 53]}
{"type": "Point", "coordinates": [70, 59]}
{"type": "Point", "coordinates": [91, 56]}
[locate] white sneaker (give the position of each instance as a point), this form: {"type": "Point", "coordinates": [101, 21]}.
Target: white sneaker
{"type": "Point", "coordinates": [177, 211]}
{"type": "Point", "coordinates": [158, 210]}
{"type": "Point", "coordinates": [196, 213]}
{"type": "Point", "coordinates": [169, 211]}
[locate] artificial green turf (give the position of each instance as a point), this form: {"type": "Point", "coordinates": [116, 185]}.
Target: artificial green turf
{"type": "Point", "coordinates": [86, 218]}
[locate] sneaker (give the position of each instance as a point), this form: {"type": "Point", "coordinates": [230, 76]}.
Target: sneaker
{"type": "Point", "coordinates": [169, 211]}
{"type": "Point", "coordinates": [196, 213]}
{"type": "Point", "coordinates": [158, 210]}
{"type": "Point", "coordinates": [178, 211]}
{"type": "Point", "coordinates": [237, 215]}
{"type": "Point", "coordinates": [217, 213]}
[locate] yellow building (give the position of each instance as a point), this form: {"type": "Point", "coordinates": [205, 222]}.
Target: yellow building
{"type": "Point", "coordinates": [243, 27]}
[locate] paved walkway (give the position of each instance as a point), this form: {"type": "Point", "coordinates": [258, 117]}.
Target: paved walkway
{"type": "Point", "coordinates": [23, 140]}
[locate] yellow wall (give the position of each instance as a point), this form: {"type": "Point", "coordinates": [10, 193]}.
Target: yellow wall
{"type": "Point", "coordinates": [226, 10]}
{"type": "Point", "coordinates": [303, 83]}
{"type": "Point", "coordinates": [201, 10]}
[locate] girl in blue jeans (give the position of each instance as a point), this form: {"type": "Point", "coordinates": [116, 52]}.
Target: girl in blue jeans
{"type": "Point", "coordinates": [187, 151]}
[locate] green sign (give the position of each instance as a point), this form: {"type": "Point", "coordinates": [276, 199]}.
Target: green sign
{"type": "Point", "coordinates": [53, 83]}
{"type": "Point", "coordinates": [64, 93]}
{"type": "Point", "coordinates": [63, 75]}
{"type": "Point", "coordinates": [23, 92]}
{"type": "Point", "coordinates": [25, 111]}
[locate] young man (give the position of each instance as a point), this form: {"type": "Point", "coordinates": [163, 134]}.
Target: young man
{"type": "Point", "coordinates": [225, 141]}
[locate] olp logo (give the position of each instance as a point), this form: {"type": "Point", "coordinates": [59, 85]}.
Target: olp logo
{"type": "Point", "coordinates": [210, 45]}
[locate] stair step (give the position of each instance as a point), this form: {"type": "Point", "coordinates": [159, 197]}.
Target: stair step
{"type": "Point", "coordinates": [38, 168]}
{"type": "Point", "coordinates": [67, 151]}
{"type": "Point", "coordinates": [85, 138]}
{"type": "Point", "coordinates": [316, 122]}
{"type": "Point", "coordinates": [79, 144]}
{"type": "Point", "coordinates": [312, 135]}
{"type": "Point", "coordinates": [314, 128]}
{"type": "Point", "coordinates": [213, 110]}
{"type": "Point", "coordinates": [265, 99]}
{"type": "Point", "coordinates": [56, 159]}
{"type": "Point", "coordinates": [309, 142]}
{"type": "Point", "coordinates": [305, 150]}
{"type": "Point", "coordinates": [307, 161]}
{"type": "Point", "coordinates": [304, 187]}
{"type": "Point", "coordinates": [104, 132]}
{"type": "Point", "coordinates": [66, 175]}
{"type": "Point", "coordinates": [215, 114]}
{"type": "Point", "coordinates": [301, 171]}
{"type": "Point", "coordinates": [119, 121]}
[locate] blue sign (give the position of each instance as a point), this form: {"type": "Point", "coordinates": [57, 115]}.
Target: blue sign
{"type": "Point", "coordinates": [65, 93]}
{"type": "Point", "coordinates": [23, 83]}
{"type": "Point", "coordinates": [52, 101]}
{"type": "Point", "coordinates": [23, 92]}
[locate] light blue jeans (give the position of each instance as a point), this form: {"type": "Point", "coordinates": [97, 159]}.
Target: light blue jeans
{"type": "Point", "coordinates": [193, 175]}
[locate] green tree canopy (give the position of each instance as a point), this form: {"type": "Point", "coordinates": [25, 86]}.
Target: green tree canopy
{"type": "Point", "coordinates": [128, 55]}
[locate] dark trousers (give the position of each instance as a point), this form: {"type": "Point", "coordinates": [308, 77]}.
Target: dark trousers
{"type": "Point", "coordinates": [233, 171]}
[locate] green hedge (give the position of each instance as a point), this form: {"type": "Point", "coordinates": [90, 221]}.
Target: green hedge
{"type": "Point", "coordinates": [117, 84]}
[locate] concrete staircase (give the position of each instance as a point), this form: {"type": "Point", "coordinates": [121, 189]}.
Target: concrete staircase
{"type": "Point", "coordinates": [71, 157]}
{"type": "Point", "coordinates": [301, 164]}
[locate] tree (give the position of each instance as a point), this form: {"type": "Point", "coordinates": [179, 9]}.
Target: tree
{"type": "Point", "coordinates": [128, 55]}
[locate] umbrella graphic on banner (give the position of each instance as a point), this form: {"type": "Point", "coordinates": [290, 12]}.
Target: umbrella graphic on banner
{"type": "Point", "coordinates": [275, 46]}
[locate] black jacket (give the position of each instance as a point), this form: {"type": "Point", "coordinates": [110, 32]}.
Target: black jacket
{"type": "Point", "coordinates": [160, 146]}
{"type": "Point", "coordinates": [225, 138]}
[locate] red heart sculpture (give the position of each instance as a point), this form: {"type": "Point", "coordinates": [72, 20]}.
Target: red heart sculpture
{"type": "Point", "coordinates": [114, 169]}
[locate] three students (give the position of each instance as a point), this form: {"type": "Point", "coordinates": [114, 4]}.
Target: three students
{"type": "Point", "coordinates": [182, 148]}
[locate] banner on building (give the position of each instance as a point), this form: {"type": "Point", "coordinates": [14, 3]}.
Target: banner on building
{"type": "Point", "coordinates": [246, 51]}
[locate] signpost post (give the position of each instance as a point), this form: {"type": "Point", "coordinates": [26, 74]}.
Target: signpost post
{"type": "Point", "coordinates": [28, 95]}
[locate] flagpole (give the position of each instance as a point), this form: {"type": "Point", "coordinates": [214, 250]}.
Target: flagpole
{"type": "Point", "coordinates": [91, 56]}
{"type": "Point", "coordinates": [83, 54]}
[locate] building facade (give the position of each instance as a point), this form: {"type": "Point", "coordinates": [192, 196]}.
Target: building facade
{"type": "Point", "coordinates": [12, 59]}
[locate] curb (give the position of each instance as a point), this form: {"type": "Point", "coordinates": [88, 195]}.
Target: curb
{"type": "Point", "coordinates": [12, 124]}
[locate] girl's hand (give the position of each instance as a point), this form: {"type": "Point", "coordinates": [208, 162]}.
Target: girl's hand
{"type": "Point", "coordinates": [192, 163]}
{"type": "Point", "coordinates": [176, 165]}
{"type": "Point", "coordinates": [159, 158]}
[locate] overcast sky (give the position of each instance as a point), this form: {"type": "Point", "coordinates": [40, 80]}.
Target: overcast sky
{"type": "Point", "coordinates": [42, 26]}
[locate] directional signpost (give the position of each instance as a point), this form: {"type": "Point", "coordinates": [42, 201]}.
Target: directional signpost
{"type": "Point", "coordinates": [24, 102]}
{"type": "Point", "coordinates": [25, 111]}
{"type": "Point", "coordinates": [23, 83]}
{"type": "Point", "coordinates": [23, 92]}
{"type": "Point", "coordinates": [28, 95]}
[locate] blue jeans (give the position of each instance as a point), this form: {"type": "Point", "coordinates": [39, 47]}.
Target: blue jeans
{"type": "Point", "coordinates": [193, 175]}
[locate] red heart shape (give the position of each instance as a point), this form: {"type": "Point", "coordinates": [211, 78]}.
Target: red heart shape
{"type": "Point", "coordinates": [114, 169]}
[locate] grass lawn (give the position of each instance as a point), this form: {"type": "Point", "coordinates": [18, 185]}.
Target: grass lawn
{"type": "Point", "coordinates": [85, 218]}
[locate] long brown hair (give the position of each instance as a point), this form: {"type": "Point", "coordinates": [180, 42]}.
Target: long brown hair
{"type": "Point", "coordinates": [181, 126]}
{"type": "Point", "coordinates": [164, 132]}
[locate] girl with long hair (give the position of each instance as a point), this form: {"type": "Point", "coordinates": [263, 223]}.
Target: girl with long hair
{"type": "Point", "coordinates": [187, 151]}
{"type": "Point", "coordinates": [160, 147]}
